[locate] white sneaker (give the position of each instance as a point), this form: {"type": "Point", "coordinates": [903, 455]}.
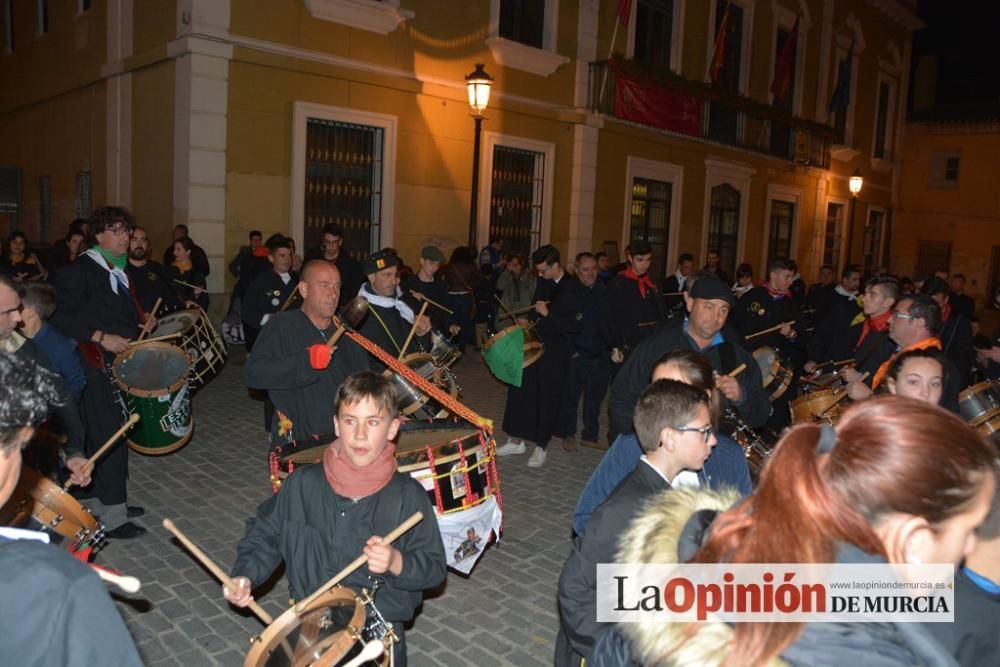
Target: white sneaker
{"type": "Point", "coordinates": [537, 458]}
{"type": "Point", "coordinates": [512, 447]}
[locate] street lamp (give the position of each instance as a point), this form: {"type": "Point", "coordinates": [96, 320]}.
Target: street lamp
{"type": "Point", "coordinates": [478, 83]}
{"type": "Point", "coordinates": [854, 184]}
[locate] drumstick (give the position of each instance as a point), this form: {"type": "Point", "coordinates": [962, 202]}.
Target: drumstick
{"type": "Point", "coordinates": [122, 581]}
{"type": "Point", "coordinates": [181, 282]}
{"type": "Point", "coordinates": [505, 308]}
{"type": "Point", "coordinates": [769, 330]}
{"type": "Point", "coordinates": [839, 396]}
{"type": "Point", "coordinates": [89, 464]}
{"type": "Point", "coordinates": [371, 651]}
{"type": "Point", "coordinates": [214, 569]}
{"type": "Point", "coordinates": [288, 301]}
{"type": "Point", "coordinates": [736, 371]}
{"type": "Point", "coordinates": [414, 519]}
{"type": "Point", "coordinates": [413, 330]}
{"type": "Point", "coordinates": [433, 303]}
{"type": "Point", "coordinates": [835, 363]}
{"type": "Point", "coordinates": [145, 329]}
{"type": "Point", "coordinates": [132, 343]}
{"type": "Point", "coordinates": [526, 309]}
{"type": "Point", "coordinates": [673, 293]}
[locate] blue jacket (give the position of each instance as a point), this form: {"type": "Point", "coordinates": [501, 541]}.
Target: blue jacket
{"type": "Point", "coordinates": [61, 351]}
{"type": "Point", "coordinates": [727, 466]}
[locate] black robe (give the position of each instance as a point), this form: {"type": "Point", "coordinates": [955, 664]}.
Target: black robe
{"type": "Point", "coordinates": [533, 410]}
{"type": "Point", "coordinates": [192, 276]}
{"type": "Point", "coordinates": [386, 328]}
{"type": "Point", "coordinates": [435, 290]}
{"type": "Point", "coordinates": [874, 350]}
{"type": "Point", "coordinates": [632, 316]}
{"type": "Point", "coordinates": [265, 295]}
{"type": "Point", "coordinates": [835, 338]}
{"type": "Point", "coordinates": [956, 341]}
{"type": "Point", "coordinates": [279, 364]}
{"type": "Point", "coordinates": [757, 310]}
{"type": "Point", "coordinates": [150, 283]}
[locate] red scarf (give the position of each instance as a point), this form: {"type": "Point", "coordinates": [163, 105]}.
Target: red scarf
{"type": "Point", "coordinates": [260, 251]}
{"type": "Point", "coordinates": [877, 323]}
{"type": "Point", "coordinates": [945, 312]}
{"type": "Point", "coordinates": [350, 481]}
{"type": "Point", "coordinates": [645, 283]}
{"type": "Point", "coordinates": [775, 294]}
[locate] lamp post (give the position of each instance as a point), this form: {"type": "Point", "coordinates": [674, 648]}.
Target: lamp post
{"type": "Point", "coordinates": [854, 184]}
{"type": "Point", "coordinates": [478, 83]}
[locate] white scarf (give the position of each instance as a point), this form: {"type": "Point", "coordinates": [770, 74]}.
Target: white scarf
{"type": "Point", "coordinates": [681, 279]}
{"type": "Point", "coordinates": [839, 289]}
{"type": "Point", "coordinates": [385, 302]}
{"type": "Point", "coordinates": [114, 273]}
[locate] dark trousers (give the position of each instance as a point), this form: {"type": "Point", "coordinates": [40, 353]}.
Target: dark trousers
{"type": "Point", "coordinates": [250, 334]}
{"type": "Point", "coordinates": [589, 378]}
{"type": "Point", "coordinates": [102, 416]}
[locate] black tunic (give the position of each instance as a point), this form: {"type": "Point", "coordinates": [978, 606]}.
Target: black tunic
{"type": "Point", "coordinates": [632, 316]}
{"type": "Point", "coordinates": [265, 295]}
{"type": "Point", "coordinates": [835, 338]}
{"type": "Point", "coordinates": [874, 350]}
{"type": "Point", "coordinates": [279, 364]}
{"type": "Point", "coordinates": [757, 310]}
{"type": "Point", "coordinates": [436, 291]}
{"type": "Point", "coordinates": [533, 409]}
{"type": "Point", "coordinates": [386, 328]}
{"type": "Point", "coordinates": [150, 283]}
{"type": "Point", "coordinates": [317, 533]}
{"type": "Point", "coordinates": [192, 276]}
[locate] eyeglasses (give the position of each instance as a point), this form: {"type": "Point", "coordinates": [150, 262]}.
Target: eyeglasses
{"type": "Point", "coordinates": [903, 316]}
{"type": "Point", "coordinates": [119, 230]}
{"type": "Point", "coordinates": [706, 431]}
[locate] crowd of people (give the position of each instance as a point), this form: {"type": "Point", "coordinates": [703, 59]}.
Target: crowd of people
{"type": "Point", "coordinates": [678, 362]}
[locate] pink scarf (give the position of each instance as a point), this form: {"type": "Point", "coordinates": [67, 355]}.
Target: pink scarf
{"type": "Point", "coordinates": [350, 481]}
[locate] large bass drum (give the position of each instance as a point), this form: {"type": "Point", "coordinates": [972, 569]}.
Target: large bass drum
{"type": "Point", "coordinates": [199, 340]}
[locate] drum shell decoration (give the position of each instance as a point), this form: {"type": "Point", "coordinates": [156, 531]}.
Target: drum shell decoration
{"type": "Point", "coordinates": [166, 422]}
{"type": "Point", "coordinates": [200, 341]}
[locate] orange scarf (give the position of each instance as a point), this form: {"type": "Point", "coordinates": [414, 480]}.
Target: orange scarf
{"type": "Point", "coordinates": [350, 481]}
{"type": "Point", "coordinates": [933, 341]}
{"type": "Point", "coordinates": [877, 323]}
{"type": "Point", "coordinates": [183, 267]}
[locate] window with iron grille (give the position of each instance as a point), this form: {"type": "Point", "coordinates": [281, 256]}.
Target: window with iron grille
{"type": "Point", "coordinates": [873, 241]}
{"type": "Point", "coordinates": [83, 200]}
{"type": "Point", "coordinates": [779, 239]}
{"type": "Point", "coordinates": [831, 238]}
{"type": "Point", "coordinates": [724, 225]}
{"type": "Point", "coordinates": [44, 207]}
{"type": "Point", "coordinates": [650, 220]}
{"type": "Point", "coordinates": [343, 184]}
{"type": "Point", "coordinates": [523, 21]}
{"type": "Point", "coordinates": [516, 198]}
{"type": "Point", "coordinates": [10, 197]}
{"type": "Point", "coordinates": [654, 25]}
{"type": "Point", "coordinates": [932, 256]}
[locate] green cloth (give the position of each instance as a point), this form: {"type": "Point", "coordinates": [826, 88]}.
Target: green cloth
{"type": "Point", "coordinates": [506, 357]}
{"type": "Point", "coordinates": [117, 261]}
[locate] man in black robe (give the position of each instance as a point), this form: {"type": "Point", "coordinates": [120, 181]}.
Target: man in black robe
{"type": "Point", "coordinates": [635, 305]}
{"type": "Point", "coordinates": [533, 411]}
{"type": "Point", "coordinates": [94, 305]}
{"type": "Point", "coordinates": [390, 318]}
{"type": "Point", "coordinates": [149, 279]}
{"type": "Point", "coordinates": [292, 362]}
{"type": "Point", "coordinates": [836, 336]}
{"type": "Point", "coordinates": [955, 330]}
{"type": "Point", "coordinates": [268, 291]}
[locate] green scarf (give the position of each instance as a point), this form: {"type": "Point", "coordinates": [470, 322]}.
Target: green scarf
{"type": "Point", "coordinates": [117, 261]}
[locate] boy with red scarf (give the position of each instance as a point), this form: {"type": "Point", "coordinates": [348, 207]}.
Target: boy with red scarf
{"type": "Point", "coordinates": [635, 305]}
{"type": "Point", "coordinates": [327, 515]}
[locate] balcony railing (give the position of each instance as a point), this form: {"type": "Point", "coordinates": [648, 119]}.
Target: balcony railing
{"type": "Point", "coordinates": [621, 90]}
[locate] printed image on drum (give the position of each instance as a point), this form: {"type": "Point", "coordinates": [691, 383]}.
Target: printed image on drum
{"type": "Point", "coordinates": [200, 341]}
{"type": "Point", "coordinates": [153, 379]}
{"type": "Point", "coordinates": [433, 457]}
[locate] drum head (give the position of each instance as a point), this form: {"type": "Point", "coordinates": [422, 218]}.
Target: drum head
{"type": "Point", "coordinates": [151, 369]}
{"type": "Point", "coordinates": [175, 323]}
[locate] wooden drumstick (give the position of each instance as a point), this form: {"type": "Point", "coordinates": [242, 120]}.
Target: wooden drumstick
{"type": "Point", "coordinates": [181, 282]}
{"type": "Point", "coordinates": [519, 311]}
{"type": "Point", "coordinates": [146, 329]}
{"type": "Point", "coordinates": [768, 330]}
{"type": "Point", "coordinates": [288, 301]}
{"type": "Point", "coordinates": [371, 651]}
{"type": "Point", "coordinates": [414, 519]}
{"type": "Point", "coordinates": [89, 463]}
{"type": "Point", "coordinates": [214, 569]}
{"type": "Point", "coordinates": [413, 330]}
{"type": "Point", "coordinates": [433, 303]}
{"type": "Point", "coordinates": [506, 310]}
{"type": "Point", "coordinates": [133, 343]}
{"type": "Point", "coordinates": [840, 395]}
{"type": "Point", "coordinates": [736, 371]}
{"type": "Point", "coordinates": [122, 581]}
{"type": "Point", "coordinates": [354, 313]}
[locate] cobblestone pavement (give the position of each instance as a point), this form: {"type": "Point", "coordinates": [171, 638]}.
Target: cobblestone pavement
{"type": "Point", "coordinates": [503, 614]}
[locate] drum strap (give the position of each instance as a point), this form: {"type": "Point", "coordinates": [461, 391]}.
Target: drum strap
{"type": "Point", "coordinates": [385, 328]}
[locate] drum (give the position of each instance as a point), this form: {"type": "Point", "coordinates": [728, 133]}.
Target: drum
{"type": "Point", "coordinates": [978, 402]}
{"type": "Point", "coordinates": [990, 428]}
{"type": "Point", "coordinates": [53, 507]}
{"type": "Point", "coordinates": [755, 448]}
{"type": "Point", "coordinates": [153, 378]}
{"type": "Point", "coordinates": [821, 405]}
{"type": "Point", "coordinates": [822, 382]}
{"type": "Point", "coordinates": [533, 347]}
{"type": "Point", "coordinates": [456, 466]}
{"type": "Point", "coordinates": [326, 633]}
{"type": "Point", "coordinates": [199, 339]}
{"type": "Point", "coordinates": [284, 459]}
{"type": "Point", "coordinates": [412, 401]}
{"type": "Point", "coordinates": [777, 378]}
{"type": "Point", "coordinates": [443, 352]}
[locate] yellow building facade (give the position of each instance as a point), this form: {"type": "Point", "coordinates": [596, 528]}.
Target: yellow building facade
{"type": "Point", "coordinates": [232, 115]}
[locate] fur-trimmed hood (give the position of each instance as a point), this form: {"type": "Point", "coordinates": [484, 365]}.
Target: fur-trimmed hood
{"type": "Point", "coordinates": [654, 536]}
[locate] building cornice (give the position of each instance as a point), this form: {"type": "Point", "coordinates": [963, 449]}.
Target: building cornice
{"type": "Point", "coordinates": [898, 13]}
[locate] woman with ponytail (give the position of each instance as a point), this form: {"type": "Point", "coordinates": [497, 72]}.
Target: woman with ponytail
{"type": "Point", "coordinates": [896, 481]}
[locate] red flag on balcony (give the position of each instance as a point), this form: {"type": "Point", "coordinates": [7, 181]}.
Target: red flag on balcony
{"type": "Point", "coordinates": [784, 71]}
{"type": "Point", "coordinates": [650, 104]}
{"type": "Point", "coordinates": [624, 11]}
{"type": "Point", "coordinates": [719, 52]}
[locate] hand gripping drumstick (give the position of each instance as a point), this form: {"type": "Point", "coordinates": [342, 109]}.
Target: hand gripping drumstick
{"type": "Point", "coordinates": [214, 569]}
{"type": "Point", "coordinates": [769, 330]}
{"type": "Point", "coordinates": [414, 519]}
{"type": "Point", "coordinates": [145, 329]}
{"type": "Point", "coordinates": [736, 371]}
{"type": "Point", "coordinates": [413, 330]}
{"type": "Point", "coordinates": [89, 464]}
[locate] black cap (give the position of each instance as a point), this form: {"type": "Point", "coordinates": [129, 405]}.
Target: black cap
{"type": "Point", "coordinates": [380, 260]}
{"type": "Point", "coordinates": [710, 287]}
{"type": "Point", "coordinates": [433, 253]}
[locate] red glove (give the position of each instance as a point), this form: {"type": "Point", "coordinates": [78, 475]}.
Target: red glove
{"type": "Point", "coordinates": [319, 356]}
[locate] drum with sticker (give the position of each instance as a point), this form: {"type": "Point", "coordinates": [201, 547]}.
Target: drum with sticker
{"type": "Point", "coordinates": [199, 340]}
{"type": "Point", "coordinates": [153, 378]}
